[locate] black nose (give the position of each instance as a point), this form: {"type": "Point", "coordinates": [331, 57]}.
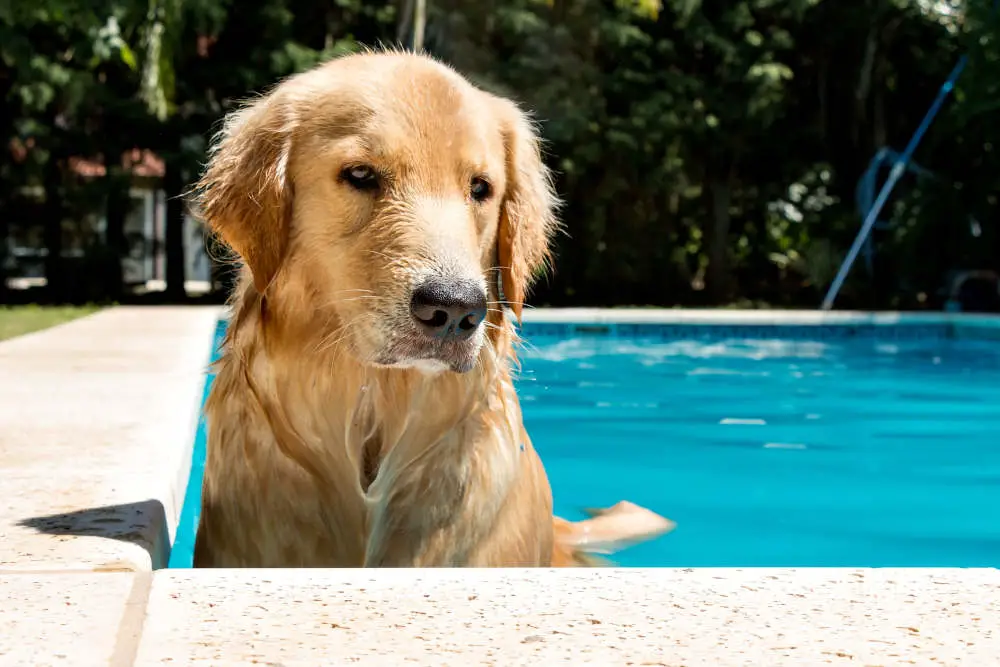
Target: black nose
{"type": "Point", "coordinates": [449, 308]}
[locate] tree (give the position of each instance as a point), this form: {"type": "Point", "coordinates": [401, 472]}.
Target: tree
{"type": "Point", "coordinates": [55, 56]}
{"type": "Point", "coordinates": [706, 151]}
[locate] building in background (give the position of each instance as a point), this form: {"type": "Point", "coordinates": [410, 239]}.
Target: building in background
{"type": "Point", "coordinates": [144, 263]}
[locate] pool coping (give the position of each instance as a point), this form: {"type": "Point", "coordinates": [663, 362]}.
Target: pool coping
{"type": "Point", "coordinates": [744, 317]}
{"type": "Point", "coordinates": [97, 596]}
{"type": "Point", "coordinates": [752, 317]}
{"type": "Point", "coordinates": [99, 483]}
{"type": "Point", "coordinates": [711, 321]}
{"type": "Point", "coordinates": [710, 617]}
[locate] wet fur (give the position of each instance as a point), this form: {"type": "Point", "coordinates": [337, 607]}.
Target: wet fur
{"type": "Point", "coordinates": [319, 454]}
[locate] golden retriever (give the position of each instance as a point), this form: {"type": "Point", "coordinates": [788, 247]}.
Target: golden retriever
{"type": "Point", "coordinates": [363, 413]}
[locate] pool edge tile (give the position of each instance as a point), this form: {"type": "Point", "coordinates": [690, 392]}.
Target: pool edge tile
{"type": "Point", "coordinates": [65, 618]}
{"type": "Point", "coordinates": [606, 616]}
{"type": "Point", "coordinates": [710, 323]}
{"type": "Point", "coordinates": [98, 484]}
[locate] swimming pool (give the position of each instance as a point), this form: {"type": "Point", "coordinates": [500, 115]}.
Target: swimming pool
{"type": "Point", "coordinates": [855, 446]}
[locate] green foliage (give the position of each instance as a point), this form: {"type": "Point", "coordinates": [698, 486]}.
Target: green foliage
{"type": "Point", "coordinates": [707, 150]}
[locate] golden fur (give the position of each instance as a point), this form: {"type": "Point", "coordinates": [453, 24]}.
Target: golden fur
{"type": "Point", "coordinates": [337, 436]}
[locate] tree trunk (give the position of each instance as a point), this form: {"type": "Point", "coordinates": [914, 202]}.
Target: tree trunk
{"type": "Point", "coordinates": [718, 189]}
{"type": "Point", "coordinates": [823, 82]}
{"type": "Point", "coordinates": [116, 211]}
{"type": "Point", "coordinates": [419, 24]}
{"type": "Point", "coordinates": [4, 231]}
{"type": "Point", "coordinates": [52, 215]}
{"type": "Point", "coordinates": [404, 21]}
{"type": "Point", "coordinates": [559, 10]}
{"type": "Point", "coordinates": [174, 233]}
{"type": "Point", "coordinates": [863, 88]}
{"type": "Point", "coordinates": [7, 188]}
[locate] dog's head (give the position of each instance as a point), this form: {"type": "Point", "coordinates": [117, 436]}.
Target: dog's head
{"type": "Point", "coordinates": [390, 193]}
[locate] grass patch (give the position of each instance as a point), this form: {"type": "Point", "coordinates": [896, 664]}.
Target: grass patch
{"type": "Point", "coordinates": [19, 320]}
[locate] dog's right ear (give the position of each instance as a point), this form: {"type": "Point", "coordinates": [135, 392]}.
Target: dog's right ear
{"type": "Point", "coordinates": [245, 195]}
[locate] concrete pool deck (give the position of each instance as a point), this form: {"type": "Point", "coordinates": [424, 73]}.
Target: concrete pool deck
{"type": "Point", "coordinates": [97, 419]}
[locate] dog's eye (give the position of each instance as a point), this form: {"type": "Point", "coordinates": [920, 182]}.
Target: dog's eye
{"type": "Point", "coordinates": [480, 189]}
{"type": "Point", "coordinates": [361, 177]}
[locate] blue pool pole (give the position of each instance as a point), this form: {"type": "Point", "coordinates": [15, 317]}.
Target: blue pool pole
{"type": "Point", "coordinates": [898, 169]}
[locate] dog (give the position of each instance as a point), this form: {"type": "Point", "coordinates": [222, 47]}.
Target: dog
{"type": "Point", "coordinates": [390, 218]}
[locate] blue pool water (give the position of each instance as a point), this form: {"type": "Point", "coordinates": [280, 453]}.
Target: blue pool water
{"type": "Point", "coordinates": [839, 451]}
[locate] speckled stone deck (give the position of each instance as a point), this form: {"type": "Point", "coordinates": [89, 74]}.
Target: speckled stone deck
{"type": "Point", "coordinates": [97, 420]}
{"type": "Point", "coordinates": [503, 617]}
{"type": "Point", "coordinates": [599, 617]}
{"type": "Point", "coordinates": [96, 424]}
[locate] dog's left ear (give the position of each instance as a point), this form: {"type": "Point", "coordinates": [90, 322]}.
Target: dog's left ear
{"type": "Point", "coordinates": [528, 210]}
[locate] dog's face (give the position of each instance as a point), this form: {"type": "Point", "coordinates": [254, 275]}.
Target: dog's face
{"type": "Point", "coordinates": [393, 193]}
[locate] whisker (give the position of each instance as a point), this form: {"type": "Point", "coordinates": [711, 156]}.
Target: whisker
{"type": "Point", "coordinates": [359, 298]}
{"type": "Point", "coordinates": [332, 341]}
{"type": "Point", "coordinates": [332, 345]}
{"type": "Point", "coordinates": [509, 304]}
{"type": "Point", "coordinates": [381, 254]}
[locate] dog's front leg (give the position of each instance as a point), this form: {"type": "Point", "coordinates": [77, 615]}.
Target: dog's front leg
{"type": "Point", "coordinates": [420, 519]}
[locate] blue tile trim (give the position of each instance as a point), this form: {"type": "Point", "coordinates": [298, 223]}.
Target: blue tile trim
{"type": "Point", "coordinates": [830, 332]}
{"type": "Point", "coordinates": [696, 331]}
{"type": "Point", "coordinates": [963, 332]}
